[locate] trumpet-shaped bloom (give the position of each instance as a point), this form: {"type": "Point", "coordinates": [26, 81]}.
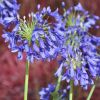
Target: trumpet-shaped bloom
{"type": "Point", "coordinates": [8, 11]}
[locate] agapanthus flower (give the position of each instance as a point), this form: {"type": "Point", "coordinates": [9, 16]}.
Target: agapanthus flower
{"type": "Point", "coordinates": [36, 36]}
{"type": "Point", "coordinates": [8, 11]}
{"type": "Point", "coordinates": [47, 93]}
{"type": "Point", "coordinates": [78, 16]}
{"type": "Point", "coordinates": [79, 50]}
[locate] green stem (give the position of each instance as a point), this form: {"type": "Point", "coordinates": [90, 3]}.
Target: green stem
{"type": "Point", "coordinates": [55, 94]}
{"type": "Point", "coordinates": [26, 81]}
{"type": "Point", "coordinates": [58, 83]}
{"type": "Point", "coordinates": [71, 90]}
{"type": "Point", "coordinates": [91, 92]}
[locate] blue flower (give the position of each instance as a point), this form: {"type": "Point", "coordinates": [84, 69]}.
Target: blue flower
{"type": "Point", "coordinates": [45, 93]}
{"type": "Point", "coordinates": [8, 11]}
{"type": "Point", "coordinates": [49, 92]}
{"type": "Point", "coordinates": [95, 40]}
{"type": "Point", "coordinates": [78, 16]}
{"type": "Point", "coordinates": [79, 7]}
{"type": "Point", "coordinates": [35, 36]}
{"type": "Point", "coordinates": [80, 58]}
{"type": "Point", "coordinates": [79, 50]}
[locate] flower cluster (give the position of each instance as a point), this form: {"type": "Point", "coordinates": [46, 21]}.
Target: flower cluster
{"type": "Point", "coordinates": [48, 93]}
{"type": "Point", "coordinates": [79, 50]}
{"type": "Point", "coordinates": [36, 36]}
{"type": "Point", "coordinates": [46, 34]}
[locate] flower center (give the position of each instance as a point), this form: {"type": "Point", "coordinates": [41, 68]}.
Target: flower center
{"type": "Point", "coordinates": [26, 27]}
{"type": "Point", "coordinates": [75, 19]}
{"type": "Point", "coordinates": [74, 52]}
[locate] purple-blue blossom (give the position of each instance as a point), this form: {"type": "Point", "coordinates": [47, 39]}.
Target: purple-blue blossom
{"type": "Point", "coordinates": [78, 16]}
{"type": "Point", "coordinates": [67, 35]}
{"type": "Point", "coordinates": [49, 92]}
{"type": "Point", "coordinates": [8, 11]}
{"type": "Point", "coordinates": [79, 50]}
{"type": "Point", "coordinates": [35, 36]}
{"type": "Point", "coordinates": [45, 93]}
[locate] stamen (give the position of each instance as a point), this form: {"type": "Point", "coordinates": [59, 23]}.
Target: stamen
{"type": "Point", "coordinates": [26, 27]}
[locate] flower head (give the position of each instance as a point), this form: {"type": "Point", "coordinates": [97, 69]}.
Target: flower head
{"type": "Point", "coordinates": [78, 16]}
{"type": "Point", "coordinates": [49, 92]}
{"type": "Point", "coordinates": [46, 92]}
{"type": "Point", "coordinates": [36, 36]}
{"type": "Point", "coordinates": [79, 51]}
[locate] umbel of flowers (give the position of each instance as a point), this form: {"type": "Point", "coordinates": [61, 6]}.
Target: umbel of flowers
{"type": "Point", "coordinates": [79, 54]}
{"type": "Point", "coordinates": [35, 36]}
{"type": "Point", "coordinates": [80, 63]}
{"type": "Point", "coordinates": [43, 39]}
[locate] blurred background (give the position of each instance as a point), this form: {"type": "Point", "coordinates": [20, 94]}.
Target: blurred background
{"type": "Point", "coordinates": [12, 71]}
